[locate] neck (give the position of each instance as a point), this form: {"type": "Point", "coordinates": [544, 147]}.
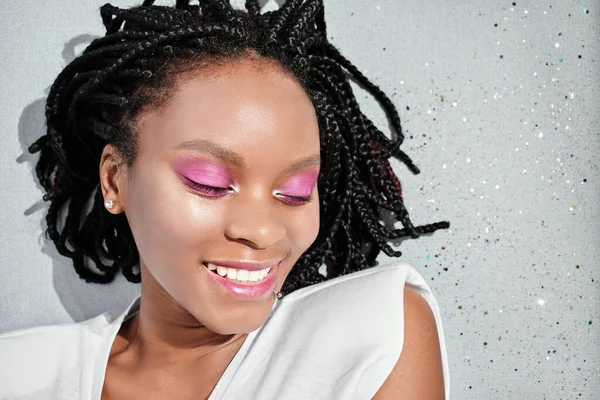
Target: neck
{"type": "Point", "coordinates": [164, 333]}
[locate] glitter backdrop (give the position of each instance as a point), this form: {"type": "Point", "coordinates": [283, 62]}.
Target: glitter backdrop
{"type": "Point", "coordinates": [499, 106]}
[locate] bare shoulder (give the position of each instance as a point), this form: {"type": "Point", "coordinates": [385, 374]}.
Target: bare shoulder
{"type": "Point", "coordinates": [418, 372]}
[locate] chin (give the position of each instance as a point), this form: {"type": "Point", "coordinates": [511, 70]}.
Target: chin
{"type": "Point", "coordinates": [236, 317]}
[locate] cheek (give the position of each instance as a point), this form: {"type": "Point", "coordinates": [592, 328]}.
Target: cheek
{"type": "Point", "coordinates": [305, 227]}
{"type": "Point", "coordinates": [169, 223]}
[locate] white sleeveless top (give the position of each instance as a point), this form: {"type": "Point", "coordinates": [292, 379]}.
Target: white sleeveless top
{"type": "Point", "coordinates": [337, 339]}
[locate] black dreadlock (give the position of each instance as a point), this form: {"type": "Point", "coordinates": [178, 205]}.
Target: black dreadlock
{"type": "Point", "coordinates": [96, 98]}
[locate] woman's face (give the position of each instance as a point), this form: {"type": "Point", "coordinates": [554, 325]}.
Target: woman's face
{"type": "Point", "coordinates": [223, 175]}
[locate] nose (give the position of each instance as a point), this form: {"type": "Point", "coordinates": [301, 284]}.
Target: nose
{"type": "Point", "coordinates": [255, 221]}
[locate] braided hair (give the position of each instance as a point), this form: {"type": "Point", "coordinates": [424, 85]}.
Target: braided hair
{"type": "Point", "coordinates": [96, 99]}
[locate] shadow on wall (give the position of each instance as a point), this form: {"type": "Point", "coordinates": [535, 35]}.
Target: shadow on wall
{"type": "Point", "coordinates": [80, 299]}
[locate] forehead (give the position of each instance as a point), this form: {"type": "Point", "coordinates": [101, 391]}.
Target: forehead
{"type": "Point", "coordinates": [249, 106]}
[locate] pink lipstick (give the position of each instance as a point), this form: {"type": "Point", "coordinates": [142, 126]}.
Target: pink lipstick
{"type": "Point", "coordinates": [253, 290]}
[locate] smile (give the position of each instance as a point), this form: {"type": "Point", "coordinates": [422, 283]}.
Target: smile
{"type": "Point", "coordinates": [238, 275]}
{"type": "Point", "coordinates": [243, 283]}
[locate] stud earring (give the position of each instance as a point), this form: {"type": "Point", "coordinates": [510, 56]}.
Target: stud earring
{"type": "Point", "coordinates": [109, 204]}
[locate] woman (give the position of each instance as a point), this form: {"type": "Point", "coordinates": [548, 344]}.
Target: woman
{"type": "Point", "coordinates": [225, 159]}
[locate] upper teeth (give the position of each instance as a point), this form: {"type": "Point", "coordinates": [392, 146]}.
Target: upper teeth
{"type": "Point", "coordinates": [239, 274]}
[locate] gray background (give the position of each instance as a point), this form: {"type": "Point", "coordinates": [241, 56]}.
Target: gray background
{"type": "Point", "coordinates": [501, 120]}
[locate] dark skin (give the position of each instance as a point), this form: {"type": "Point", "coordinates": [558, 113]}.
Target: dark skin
{"type": "Point", "coordinates": [258, 122]}
{"type": "Point", "coordinates": [188, 328]}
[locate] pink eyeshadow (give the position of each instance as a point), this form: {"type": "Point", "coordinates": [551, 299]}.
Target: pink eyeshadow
{"type": "Point", "coordinates": [203, 171]}
{"type": "Point", "coordinates": [300, 184]}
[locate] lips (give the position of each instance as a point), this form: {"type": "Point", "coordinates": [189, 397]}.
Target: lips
{"type": "Point", "coordinates": [239, 280]}
{"type": "Point", "coordinates": [250, 290]}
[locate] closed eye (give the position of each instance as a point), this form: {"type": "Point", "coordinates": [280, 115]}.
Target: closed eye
{"type": "Point", "coordinates": [205, 189]}
{"type": "Point", "coordinates": [213, 191]}
{"type": "Point", "coordinates": [296, 200]}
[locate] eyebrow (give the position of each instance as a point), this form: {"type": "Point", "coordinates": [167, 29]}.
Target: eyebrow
{"type": "Point", "coordinates": [233, 158]}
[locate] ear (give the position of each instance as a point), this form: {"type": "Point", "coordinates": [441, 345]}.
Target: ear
{"type": "Point", "coordinates": [113, 178]}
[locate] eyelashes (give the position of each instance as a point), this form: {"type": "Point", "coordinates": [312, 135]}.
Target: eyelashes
{"type": "Point", "coordinates": [212, 191]}
{"type": "Point", "coordinates": [205, 189]}
{"type": "Point", "coordinates": [297, 200]}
